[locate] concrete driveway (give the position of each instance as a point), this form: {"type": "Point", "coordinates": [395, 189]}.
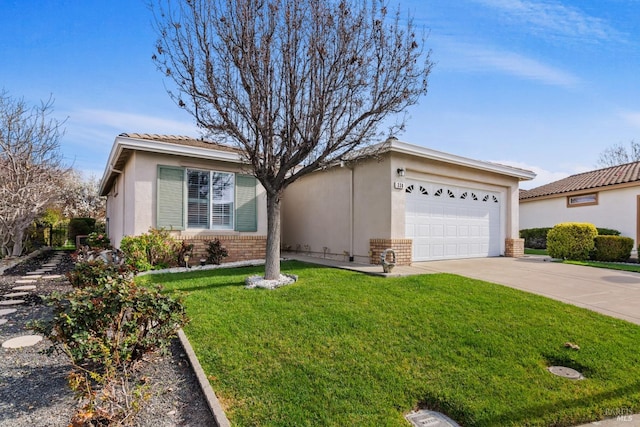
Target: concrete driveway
{"type": "Point", "coordinates": [610, 292]}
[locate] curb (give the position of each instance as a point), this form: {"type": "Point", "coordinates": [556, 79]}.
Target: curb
{"type": "Point", "coordinates": [210, 396]}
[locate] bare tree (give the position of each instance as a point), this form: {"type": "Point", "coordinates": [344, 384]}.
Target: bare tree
{"type": "Point", "coordinates": [31, 167]}
{"type": "Point", "coordinates": [295, 84]}
{"type": "Point", "coordinates": [619, 154]}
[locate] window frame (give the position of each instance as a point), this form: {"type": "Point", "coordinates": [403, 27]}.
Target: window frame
{"type": "Point", "coordinates": [571, 203]}
{"type": "Point", "coordinates": [210, 201]}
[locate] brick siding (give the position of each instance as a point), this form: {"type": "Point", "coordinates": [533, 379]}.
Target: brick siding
{"type": "Point", "coordinates": [240, 248]}
{"type": "Point", "coordinates": [402, 248]}
{"type": "Point", "coordinates": [514, 248]}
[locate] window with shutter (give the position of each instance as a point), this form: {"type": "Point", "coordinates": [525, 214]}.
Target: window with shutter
{"type": "Point", "coordinates": [170, 198]}
{"type": "Point", "coordinates": [246, 205]}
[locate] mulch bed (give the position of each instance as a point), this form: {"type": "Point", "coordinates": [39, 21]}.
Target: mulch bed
{"type": "Point", "coordinates": [33, 386]}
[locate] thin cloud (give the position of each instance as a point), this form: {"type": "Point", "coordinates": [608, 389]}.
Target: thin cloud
{"type": "Point", "coordinates": [468, 57]}
{"type": "Point", "coordinates": [127, 122]}
{"type": "Point", "coordinates": [543, 176]}
{"type": "Point", "coordinates": [554, 20]}
{"type": "Point", "coordinates": [631, 117]}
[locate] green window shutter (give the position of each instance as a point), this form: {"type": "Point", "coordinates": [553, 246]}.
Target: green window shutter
{"type": "Point", "coordinates": [170, 198]}
{"type": "Point", "coordinates": [246, 205]}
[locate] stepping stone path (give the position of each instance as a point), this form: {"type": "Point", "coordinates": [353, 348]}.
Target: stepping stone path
{"type": "Point", "coordinates": [23, 288]}
{"type": "Point", "coordinates": [15, 294]}
{"type": "Point", "coordinates": [12, 302]}
{"type": "Point", "coordinates": [30, 278]}
{"type": "Point", "coordinates": [23, 341]}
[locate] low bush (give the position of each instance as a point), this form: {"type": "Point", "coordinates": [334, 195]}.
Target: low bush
{"type": "Point", "coordinates": [571, 240]}
{"type": "Point", "coordinates": [105, 330]}
{"type": "Point", "coordinates": [216, 252]}
{"type": "Point", "coordinates": [612, 248]}
{"type": "Point", "coordinates": [155, 249]}
{"type": "Point", "coordinates": [96, 273]}
{"type": "Point", "coordinates": [98, 240]}
{"type": "Point", "coordinates": [607, 232]}
{"type": "Point", "coordinates": [535, 238]}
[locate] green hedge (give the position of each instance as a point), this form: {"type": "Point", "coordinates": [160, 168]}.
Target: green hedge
{"type": "Point", "coordinates": [612, 248]}
{"type": "Point", "coordinates": [571, 240]}
{"type": "Point", "coordinates": [535, 238]}
{"type": "Point", "coordinates": [607, 232]}
{"type": "Point", "coordinates": [80, 227]}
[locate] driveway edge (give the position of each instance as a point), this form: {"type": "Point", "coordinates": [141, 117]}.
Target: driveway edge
{"type": "Point", "coordinates": [210, 396]}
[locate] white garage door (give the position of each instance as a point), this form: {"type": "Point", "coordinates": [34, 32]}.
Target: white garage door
{"type": "Point", "coordinates": [447, 222]}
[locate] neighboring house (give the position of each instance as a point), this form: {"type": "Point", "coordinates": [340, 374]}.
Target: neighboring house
{"type": "Point", "coordinates": [199, 190]}
{"type": "Point", "coordinates": [607, 198]}
{"type": "Point", "coordinates": [425, 204]}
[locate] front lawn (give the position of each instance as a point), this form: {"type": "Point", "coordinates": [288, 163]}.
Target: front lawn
{"type": "Point", "coordinates": [341, 348]}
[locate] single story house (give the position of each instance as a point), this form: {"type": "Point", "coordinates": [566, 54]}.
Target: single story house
{"type": "Point", "coordinates": [607, 198]}
{"type": "Point", "coordinates": [197, 189]}
{"type": "Point", "coordinates": [425, 204]}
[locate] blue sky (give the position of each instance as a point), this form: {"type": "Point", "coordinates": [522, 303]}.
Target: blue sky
{"type": "Point", "coordinates": [544, 85]}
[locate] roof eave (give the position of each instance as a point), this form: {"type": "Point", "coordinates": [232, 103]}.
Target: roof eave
{"type": "Point", "coordinates": [415, 150]}
{"type": "Point", "coordinates": [121, 143]}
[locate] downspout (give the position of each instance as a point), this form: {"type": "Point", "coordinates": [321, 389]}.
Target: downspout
{"type": "Point", "coordinates": [351, 204]}
{"type": "Point", "coordinates": [351, 219]}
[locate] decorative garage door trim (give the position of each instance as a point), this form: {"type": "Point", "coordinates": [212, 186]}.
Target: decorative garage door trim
{"type": "Point", "coordinates": [447, 222]}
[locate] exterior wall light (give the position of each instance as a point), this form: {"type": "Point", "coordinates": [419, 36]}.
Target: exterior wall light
{"type": "Point", "coordinates": [400, 171]}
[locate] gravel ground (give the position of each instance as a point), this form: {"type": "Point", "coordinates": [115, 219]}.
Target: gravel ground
{"type": "Point", "coordinates": [33, 386]}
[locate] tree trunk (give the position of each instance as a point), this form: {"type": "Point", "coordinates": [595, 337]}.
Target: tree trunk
{"type": "Point", "coordinates": [18, 237]}
{"type": "Point", "coordinates": [272, 259]}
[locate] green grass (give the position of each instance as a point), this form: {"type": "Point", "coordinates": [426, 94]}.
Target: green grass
{"type": "Point", "coordinates": [529, 251]}
{"type": "Point", "coordinates": [610, 265]}
{"type": "Point", "coordinates": [341, 348]}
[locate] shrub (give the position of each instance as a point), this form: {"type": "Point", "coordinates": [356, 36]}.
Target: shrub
{"type": "Point", "coordinates": [571, 240]}
{"type": "Point", "coordinates": [106, 330]}
{"type": "Point", "coordinates": [535, 238]}
{"type": "Point", "coordinates": [155, 249]}
{"type": "Point", "coordinates": [96, 273]}
{"type": "Point", "coordinates": [80, 227]}
{"type": "Point", "coordinates": [607, 232]}
{"type": "Point", "coordinates": [216, 252]}
{"type": "Point", "coordinates": [98, 240]}
{"type": "Point", "coordinates": [612, 248]}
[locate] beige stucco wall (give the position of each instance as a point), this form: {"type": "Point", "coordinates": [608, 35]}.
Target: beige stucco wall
{"type": "Point", "coordinates": [316, 208]}
{"type": "Point", "coordinates": [135, 211]}
{"type": "Point", "coordinates": [616, 209]}
{"type": "Point", "coordinates": [321, 209]}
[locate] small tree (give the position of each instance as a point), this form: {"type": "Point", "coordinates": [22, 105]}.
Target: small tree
{"type": "Point", "coordinates": [31, 165]}
{"type": "Point", "coordinates": [571, 240]}
{"type": "Point", "coordinates": [295, 84]}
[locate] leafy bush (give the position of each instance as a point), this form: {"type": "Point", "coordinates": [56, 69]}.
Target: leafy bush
{"type": "Point", "coordinates": [80, 227]}
{"type": "Point", "coordinates": [535, 238]}
{"type": "Point", "coordinates": [571, 240]}
{"type": "Point", "coordinates": [98, 240]}
{"type": "Point", "coordinates": [612, 248]}
{"type": "Point", "coordinates": [106, 330]}
{"type": "Point", "coordinates": [155, 249]}
{"type": "Point", "coordinates": [216, 252]}
{"type": "Point", "coordinates": [607, 232]}
{"type": "Point", "coordinates": [96, 273]}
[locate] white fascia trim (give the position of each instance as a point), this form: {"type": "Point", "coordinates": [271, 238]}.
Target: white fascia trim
{"type": "Point", "coordinates": [415, 150]}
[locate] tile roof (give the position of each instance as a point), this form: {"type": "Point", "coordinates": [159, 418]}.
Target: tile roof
{"type": "Point", "coordinates": [180, 140]}
{"type": "Point", "coordinates": [621, 174]}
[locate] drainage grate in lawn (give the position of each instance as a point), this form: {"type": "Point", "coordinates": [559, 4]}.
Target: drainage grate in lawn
{"type": "Point", "coordinates": [563, 371]}
{"type": "Point", "coordinates": [425, 418]}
